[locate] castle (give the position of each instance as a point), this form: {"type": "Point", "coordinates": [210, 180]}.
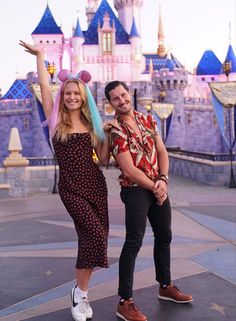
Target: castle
{"type": "Point", "coordinates": [111, 48]}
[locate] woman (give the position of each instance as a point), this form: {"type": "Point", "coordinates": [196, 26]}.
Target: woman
{"type": "Point", "coordinates": [76, 131]}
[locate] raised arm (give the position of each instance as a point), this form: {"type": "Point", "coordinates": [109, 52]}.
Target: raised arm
{"type": "Point", "coordinates": [47, 99]}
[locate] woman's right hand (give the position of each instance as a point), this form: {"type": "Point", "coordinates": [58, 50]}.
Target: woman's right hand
{"type": "Point", "coordinates": [33, 50]}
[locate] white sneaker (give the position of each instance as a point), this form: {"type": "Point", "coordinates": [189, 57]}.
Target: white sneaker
{"type": "Point", "coordinates": [81, 310]}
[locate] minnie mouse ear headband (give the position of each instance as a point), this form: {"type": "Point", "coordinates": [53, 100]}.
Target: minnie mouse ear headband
{"type": "Point", "coordinates": [83, 76]}
{"type": "Point", "coordinates": [65, 75]}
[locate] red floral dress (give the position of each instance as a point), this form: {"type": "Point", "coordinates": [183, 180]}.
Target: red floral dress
{"type": "Point", "coordinates": [143, 152]}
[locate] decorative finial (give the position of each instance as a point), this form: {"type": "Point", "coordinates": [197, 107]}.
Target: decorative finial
{"type": "Point", "coordinates": [15, 158]}
{"type": "Point", "coordinates": [150, 66]}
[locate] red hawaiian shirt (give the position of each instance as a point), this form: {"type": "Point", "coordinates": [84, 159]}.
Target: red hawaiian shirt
{"type": "Point", "coordinates": [143, 152]}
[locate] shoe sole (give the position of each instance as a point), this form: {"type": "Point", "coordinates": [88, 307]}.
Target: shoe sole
{"type": "Point", "coordinates": [173, 300]}
{"type": "Point", "coordinates": [75, 318]}
{"type": "Point", "coordinates": [122, 317]}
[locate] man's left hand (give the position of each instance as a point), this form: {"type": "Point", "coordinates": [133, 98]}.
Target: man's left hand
{"type": "Point", "coordinates": [160, 191]}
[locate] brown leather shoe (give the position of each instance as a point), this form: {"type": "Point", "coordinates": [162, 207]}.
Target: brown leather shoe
{"type": "Point", "coordinates": [128, 311]}
{"type": "Point", "coordinates": [172, 293]}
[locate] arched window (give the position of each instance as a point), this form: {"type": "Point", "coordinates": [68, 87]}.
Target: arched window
{"type": "Point", "coordinates": [106, 43]}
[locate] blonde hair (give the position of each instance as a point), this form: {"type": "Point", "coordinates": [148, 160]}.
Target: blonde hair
{"type": "Point", "coordinates": [64, 126]}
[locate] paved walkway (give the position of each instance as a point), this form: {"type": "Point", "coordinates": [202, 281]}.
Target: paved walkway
{"type": "Point", "coordinates": [38, 250]}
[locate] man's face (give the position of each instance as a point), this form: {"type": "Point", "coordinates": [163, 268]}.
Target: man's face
{"type": "Point", "coordinates": [120, 99]}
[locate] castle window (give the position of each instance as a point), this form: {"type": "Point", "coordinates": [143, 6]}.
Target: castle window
{"type": "Point", "coordinates": [26, 123]}
{"type": "Point", "coordinates": [189, 118]}
{"type": "Point", "coordinates": [106, 43]}
{"type": "Point", "coordinates": [214, 120]}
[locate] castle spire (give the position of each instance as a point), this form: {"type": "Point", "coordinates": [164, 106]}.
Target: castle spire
{"type": "Point", "coordinates": [134, 31]}
{"type": "Point", "coordinates": [161, 50]}
{"type": "Point", "coordinates": [47, 24]}
{"type": "Point", "coordinates": [77, 31]}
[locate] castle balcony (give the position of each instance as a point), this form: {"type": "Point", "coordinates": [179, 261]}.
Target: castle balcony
{"type": "Point", "coordinates": [107, 59]}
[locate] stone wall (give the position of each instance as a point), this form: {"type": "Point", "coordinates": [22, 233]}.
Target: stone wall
{"type": "Point", "coordinates": [202, 129]}
{"type": "Point", "coordinates": [204, 171]}
{"type": "Point", "coordinates": [23, 115]}
{"type": "Point", "coordinates": [193, 127]}
{"type": "Point", "coordinates": [26, 181]}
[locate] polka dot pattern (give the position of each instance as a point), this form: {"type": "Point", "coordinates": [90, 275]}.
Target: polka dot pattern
{"type": "Point", "coordinates": [83, 191]}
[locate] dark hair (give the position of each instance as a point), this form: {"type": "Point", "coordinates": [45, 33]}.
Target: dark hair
{"type": "Point", "coordinates": [112, 85]}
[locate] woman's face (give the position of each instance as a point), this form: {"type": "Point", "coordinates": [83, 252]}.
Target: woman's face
{"type": "Point", "coordinates": [72, 97]}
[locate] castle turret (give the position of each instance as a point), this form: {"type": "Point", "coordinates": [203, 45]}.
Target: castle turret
{"type": "Point", "coordinates": [137, 59]}
{"type": "Point", "coordinates": [91, 10]}
{"type": "Point", "coordinates": [171, 84]}
{"type": "Point", "coordinates": [49, 37]}
{"type": "Point", "coordinates": [127, 9]}
{"type": "Point", "coordinates": [77, 42]}
{"type": "Point", "coordinates": [135, 42]}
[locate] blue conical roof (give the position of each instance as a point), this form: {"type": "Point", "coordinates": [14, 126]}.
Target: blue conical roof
{"type": "Point", "coordinates": [231, 57]}
{"type": "Point", "coordinates": [209, 64]}
{"type": "Point", "coordinates": [18, 90]}
{"type": "Point", "coordinates": [47, 25]}
{"type": "Point", "coordinates": [91, 35]}
{"type": "Point", "coordinates": [78, 32]}
{"type": "Point", "coordinates": [134, 30]}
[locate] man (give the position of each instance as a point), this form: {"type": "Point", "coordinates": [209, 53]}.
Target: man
{"type": "Point", "coordinates": [143, 160]}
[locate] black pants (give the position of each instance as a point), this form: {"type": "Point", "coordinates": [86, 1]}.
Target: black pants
{"type": "Point", "coordinates": [140, 204]}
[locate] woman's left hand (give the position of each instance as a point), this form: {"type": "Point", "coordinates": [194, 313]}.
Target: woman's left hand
{"type": "Point", "coordinates": [109, 124]}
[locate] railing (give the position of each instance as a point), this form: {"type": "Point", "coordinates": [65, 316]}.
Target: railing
{"type": "Point", "coordinates": [40, 161]}
{"type": "Point", "coordinates": [214, 157]}
{"type": "Point", "coordinates": [46, 161]}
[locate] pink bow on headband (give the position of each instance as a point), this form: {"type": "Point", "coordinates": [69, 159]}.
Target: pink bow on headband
{"type": "Point", "coordinates": [65, 75]}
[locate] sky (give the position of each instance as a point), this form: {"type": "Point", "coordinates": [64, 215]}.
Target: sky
{"type": "Point", "coordinates": [190, 28]}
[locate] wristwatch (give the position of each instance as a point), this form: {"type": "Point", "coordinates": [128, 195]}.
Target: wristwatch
{"type": "Point", "coordinates": [164, 176]}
